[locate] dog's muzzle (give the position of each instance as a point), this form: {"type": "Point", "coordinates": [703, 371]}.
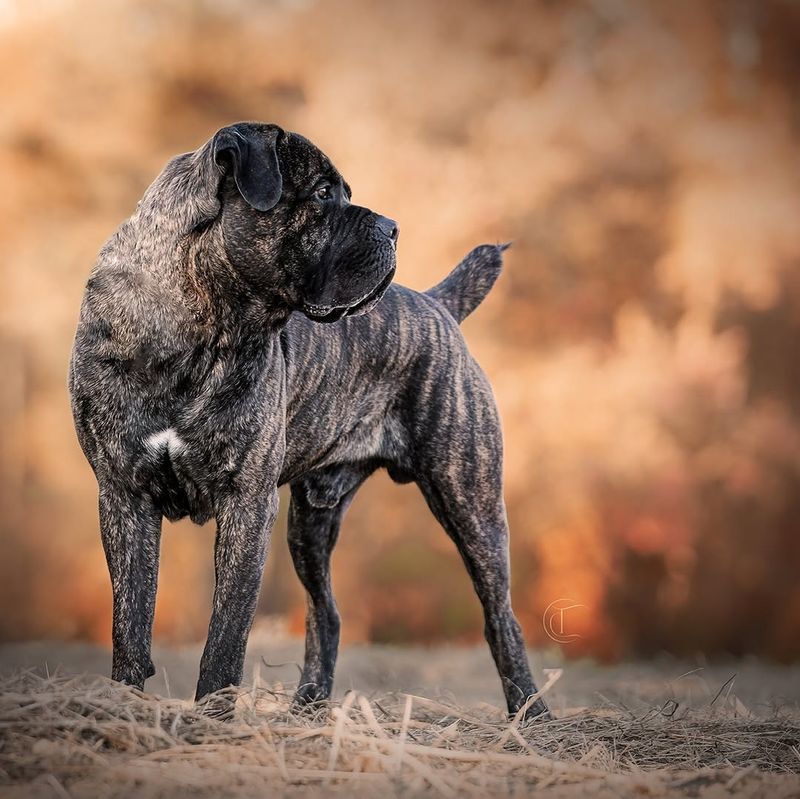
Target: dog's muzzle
{"type": "Point", "coordinates": [332, 313]}
{"type": "Point", "coordinates": [387, 229]}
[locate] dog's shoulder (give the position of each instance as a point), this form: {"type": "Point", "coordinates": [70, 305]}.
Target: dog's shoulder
{"type": "Point", "coordinates": [125, 310]}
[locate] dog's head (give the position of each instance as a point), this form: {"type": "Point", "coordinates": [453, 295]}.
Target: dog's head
{"type": "Point", "coordinates": [289, 229]}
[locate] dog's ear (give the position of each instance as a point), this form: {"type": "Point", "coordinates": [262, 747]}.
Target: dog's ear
{"type": "Point", "coordinates": [251, 152]}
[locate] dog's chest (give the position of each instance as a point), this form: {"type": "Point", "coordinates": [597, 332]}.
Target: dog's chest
{"type": "Point", "coordinates": [222, 435]}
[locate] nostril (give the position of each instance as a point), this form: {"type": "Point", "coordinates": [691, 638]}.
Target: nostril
{"type": "Point", "coordinates": [389, 227]}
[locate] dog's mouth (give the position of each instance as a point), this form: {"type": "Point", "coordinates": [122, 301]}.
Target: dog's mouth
{"type": "Point", "coordinates": [332, 313]}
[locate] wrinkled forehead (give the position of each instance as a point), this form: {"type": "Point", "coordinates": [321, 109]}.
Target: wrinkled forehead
{"type": "Point", "coordinates": [303, 162]}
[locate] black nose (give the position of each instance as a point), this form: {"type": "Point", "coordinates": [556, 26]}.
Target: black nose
{"type": "Point", "coordinates": [388, 226]}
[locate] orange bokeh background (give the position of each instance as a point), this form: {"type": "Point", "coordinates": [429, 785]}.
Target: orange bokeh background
{"type": "Point", "coordinates": [642, 342]}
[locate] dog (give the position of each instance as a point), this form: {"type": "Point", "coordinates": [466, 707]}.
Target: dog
{"type": "Point", "coordinates": [203, 377]}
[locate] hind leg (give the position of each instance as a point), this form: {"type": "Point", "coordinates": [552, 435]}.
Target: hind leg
{"type": "Point", "coordinates": [460, 474]}
{"type": "Point", "coordinates": [318, 504]}
{"type": "Point", "coordinates": [481, 536]}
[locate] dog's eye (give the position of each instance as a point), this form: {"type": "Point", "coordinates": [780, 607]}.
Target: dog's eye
{"type": "Point", "coordinates": [323, 193]}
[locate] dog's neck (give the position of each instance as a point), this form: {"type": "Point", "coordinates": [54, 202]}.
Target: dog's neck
{"type": "Point", "coordinates": [219, 299]}
{"type": "Point", "coordinates": [183, 206]}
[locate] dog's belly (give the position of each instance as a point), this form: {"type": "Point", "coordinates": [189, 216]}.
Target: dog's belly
{"type": "Point", "coordinates": [376, 438]}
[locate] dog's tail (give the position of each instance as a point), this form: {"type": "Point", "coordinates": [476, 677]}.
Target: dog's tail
{"type": "Point", "coordinates": [464, 289]}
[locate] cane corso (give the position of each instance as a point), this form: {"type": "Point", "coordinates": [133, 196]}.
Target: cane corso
{"type": "Point", "coordinates": [197, 391]}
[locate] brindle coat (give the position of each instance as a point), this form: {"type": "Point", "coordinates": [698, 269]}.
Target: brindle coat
{"type": "Point", "coordinates": [196, 391]}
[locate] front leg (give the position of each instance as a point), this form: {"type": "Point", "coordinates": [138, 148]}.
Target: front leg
{"type": "Point", "coordinates": [130, 527]}
{"type": "Point", "coordinates": [244, 524]}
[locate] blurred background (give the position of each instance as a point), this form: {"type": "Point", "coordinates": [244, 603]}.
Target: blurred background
{"type": "Point", "coordinates": [643, 341]}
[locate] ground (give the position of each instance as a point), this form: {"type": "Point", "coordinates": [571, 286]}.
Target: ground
{"type": "Point", "coordinates": [404, 722]}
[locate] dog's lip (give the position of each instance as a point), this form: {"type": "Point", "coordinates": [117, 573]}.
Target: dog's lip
{"type": "Point", "coordinates": [373, 295]}
{"type": "Point", "coordinates": [330, 313]}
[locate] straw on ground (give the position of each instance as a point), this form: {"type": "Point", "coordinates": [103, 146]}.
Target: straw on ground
{"type": "Point", "coordinates": [90, 737]}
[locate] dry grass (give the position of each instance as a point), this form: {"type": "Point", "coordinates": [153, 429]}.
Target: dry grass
{"type": "Point", "coordinates": [88, 737]}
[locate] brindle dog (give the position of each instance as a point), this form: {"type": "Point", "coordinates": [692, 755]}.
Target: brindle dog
{"type": "Point", "coordinates": [196, 391]}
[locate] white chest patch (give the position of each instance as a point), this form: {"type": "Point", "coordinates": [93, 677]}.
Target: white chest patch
{"type": "Point", "coordinates": [165, 439]}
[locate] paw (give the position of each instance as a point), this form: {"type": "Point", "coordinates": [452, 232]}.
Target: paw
{"type": "Point", "coordinates": [220, 705]}
{"type": "Point", "coordinates": [132, 676]}
{"type": "Point", "coordinates": [538, 712]}
{"type": "Point", "coordinates": [310, 696]}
